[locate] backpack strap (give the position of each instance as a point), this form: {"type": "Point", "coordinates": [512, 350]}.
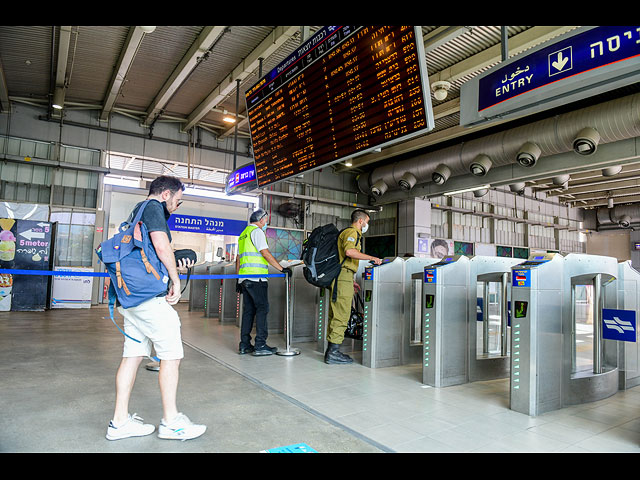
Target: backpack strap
{"type": "Point", "coordinates": [334, 288]}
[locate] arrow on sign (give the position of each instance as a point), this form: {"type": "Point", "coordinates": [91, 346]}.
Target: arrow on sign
{"type": "Point", "coordinates": [30, 234]}
{"type": "Point", "coordinates": [560, 62]}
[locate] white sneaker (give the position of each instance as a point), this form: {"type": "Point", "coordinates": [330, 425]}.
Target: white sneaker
{"type": "Point", "coordinates": [133, 427]}
{"type": "Point", "coordinates": [180, 428]}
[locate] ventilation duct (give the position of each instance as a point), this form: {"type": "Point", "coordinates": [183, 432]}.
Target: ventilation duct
{"type": "Point", "coordinates": [611, 171]}
{"type": "Point", "coordinates": [623, 216]}
{"type": "Point", "coordinates": [517, 187]}
{"type": "Point", "coordinates": [480, 165]}
{"type": "Point", "coordinates": [611, 121]}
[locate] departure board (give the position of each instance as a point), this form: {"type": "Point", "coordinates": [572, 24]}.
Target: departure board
{"type": "Point", "coordinates": [346, 91]}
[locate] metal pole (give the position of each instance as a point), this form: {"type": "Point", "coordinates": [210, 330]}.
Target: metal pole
{"type": "Point", "coordinates": [287, 324]}
{"type": "Point", "coordinates": [504, 313]}
{"type": "Point", "coordinates": [597, 324]}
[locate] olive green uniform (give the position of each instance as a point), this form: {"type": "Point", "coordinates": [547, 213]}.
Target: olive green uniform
{"type": "Point", "coordinates": [340, 310]}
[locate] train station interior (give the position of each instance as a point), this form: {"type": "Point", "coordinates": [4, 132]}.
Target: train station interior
{"type": "Point", "coordinates": [499, 167]}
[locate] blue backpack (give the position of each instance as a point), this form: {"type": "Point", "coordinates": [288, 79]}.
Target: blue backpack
{"type": "Point", "coordinates": [136, 272]}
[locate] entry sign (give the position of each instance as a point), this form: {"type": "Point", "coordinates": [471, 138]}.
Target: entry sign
{"type": "Point", "coordinates": [619, 325]}
{"type": "Point", "coordinates": [583, 63]}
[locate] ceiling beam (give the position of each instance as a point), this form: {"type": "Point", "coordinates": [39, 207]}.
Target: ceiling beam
{"type": "Point", "coordinates": [200, 47]}
{"type": "Point", "coordinates": [275, 40]}
{"type": "Point", "coordinates": [134, 39]}
{"type": "Point", "coordinates": [4, 92]}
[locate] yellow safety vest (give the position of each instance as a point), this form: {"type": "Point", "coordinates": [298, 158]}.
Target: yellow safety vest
{"type": "Point", "coordinates": [251, 260]}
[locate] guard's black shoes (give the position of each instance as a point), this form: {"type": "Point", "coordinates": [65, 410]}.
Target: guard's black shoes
{"type": "Point", "coordinates": [333, 355]}
{"type": "Point", "coordinates": [264, 350]}
{"type": "Point", "coordinates": [245, 349]}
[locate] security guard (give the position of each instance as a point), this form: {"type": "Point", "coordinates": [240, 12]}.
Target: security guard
{"type": "Point", "coordinates": [349, 247]}
{"type": "Point", "coordinates": [254, 258]}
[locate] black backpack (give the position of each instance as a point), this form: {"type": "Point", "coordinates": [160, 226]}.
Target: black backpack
{"type": "Point", "coordinates": [320, 256]}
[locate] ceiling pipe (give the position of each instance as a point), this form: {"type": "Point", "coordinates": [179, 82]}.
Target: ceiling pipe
{"type": "Point", "coordinates": [611, 121]}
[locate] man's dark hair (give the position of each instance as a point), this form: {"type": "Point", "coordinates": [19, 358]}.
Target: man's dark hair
{"type": "Point", "coordinates": [165, 182]}
{"type": "Point", "coordinates": [358, 214]}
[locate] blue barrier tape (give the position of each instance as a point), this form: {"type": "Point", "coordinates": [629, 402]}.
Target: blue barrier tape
{"type": "Point", "coordinates": [67, 273]}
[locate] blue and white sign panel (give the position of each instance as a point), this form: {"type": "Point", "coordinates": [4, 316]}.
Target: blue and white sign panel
{"type": "Point", "coordinates": [195, 224]}
{"type": "Point", "coordinates": [619, 325]}
{"type": "Point", "coordinates": [430, 275]}
{"type": "Point", "coordinates": [578, 65]}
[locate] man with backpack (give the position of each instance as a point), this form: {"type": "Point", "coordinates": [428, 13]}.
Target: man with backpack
{"type": "Point", "coordinates": [154, 322]}
{"type": "Point", "coordinates": [349, 250]}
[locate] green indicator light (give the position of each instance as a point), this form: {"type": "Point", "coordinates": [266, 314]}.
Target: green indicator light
{"type": "Point", "coordinates": [516, 387]}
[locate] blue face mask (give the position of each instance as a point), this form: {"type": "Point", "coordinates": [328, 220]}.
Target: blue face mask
{"type": "Point", "coordinates": [264, 227]}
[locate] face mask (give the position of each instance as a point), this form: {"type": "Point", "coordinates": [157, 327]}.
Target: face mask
{"type": "Point", "coordinates": [365, 228]}
{"type": "Point", "coordinates": [264, 227]}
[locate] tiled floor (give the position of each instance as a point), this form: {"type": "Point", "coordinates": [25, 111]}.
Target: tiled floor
{"type": "Point", "coordinates": [392, 409]}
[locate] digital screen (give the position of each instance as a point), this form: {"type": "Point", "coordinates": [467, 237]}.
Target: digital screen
{"type": "Point", "coordinates": [367, 295]}
{"type": "Point", "coordinates": [347, 90]}
{"type": "Point", "coordinates": [241, 180]}
{"type": "Point", "coordinates": [520, 309]}
{"type": "Point", "coordinates": [429, 300]}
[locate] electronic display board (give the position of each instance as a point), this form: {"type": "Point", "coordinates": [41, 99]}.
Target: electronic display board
{"type": "Point", "coordinates": [347, 90]}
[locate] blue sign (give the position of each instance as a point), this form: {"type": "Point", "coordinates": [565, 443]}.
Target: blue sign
{"type": "Point", "coordinates": [581, 53]}
{"type": "Point", "coordinates": [619, 325]}
{"type": "Point", "coordinates": [241, 180]}
{"type": "Point", "coordinates": [430, 275]}
{"type": "Point", "coordinates": [521, 278]}
{"type": "Point", "coordinates": [217, 226]}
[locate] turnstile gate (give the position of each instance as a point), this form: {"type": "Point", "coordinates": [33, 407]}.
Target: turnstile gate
{"type": "Point", "coordinates": [445, 309]}
{"type": "Point", "coordinates": [488, 310]}
{"type": "Point", "coordinates": [627, 287]}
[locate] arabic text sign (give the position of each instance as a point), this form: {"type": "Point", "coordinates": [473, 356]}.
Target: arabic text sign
{"type": "Point", "coordinates": [578, 54]}
{"type": "Point", "coordinates": [619, 325]}
{"type": "Point", "coordinates": [195, 224]}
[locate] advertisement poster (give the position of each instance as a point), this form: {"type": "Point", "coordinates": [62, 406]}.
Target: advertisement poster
{"type": "Point", "coordinates": [24, 245]}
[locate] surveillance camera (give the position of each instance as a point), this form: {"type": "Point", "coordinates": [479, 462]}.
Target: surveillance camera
{"type": "Point", "coordinates": [480, 193]}
{"type": "Point", "coordinates": [517, 188]}
{"type": "Point", "coordinates": [625, 221]}
{"type": "Point", "coordinates": [528, 154]}
{"type": "Point", "coordinates": [379, 188]}
{"type": "Point", "coordinates": [586, 142]}
{"type": "Point", "coordinates": [480, 165]}
{"type": "Point", "coordinates": [441, 174]}
{"type": "Point", "coordinates": [407, 181]}
{"type": "Point", "coordinates": [440, 89]}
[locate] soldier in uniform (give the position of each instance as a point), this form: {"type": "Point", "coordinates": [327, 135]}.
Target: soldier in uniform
{"type": "Point", "coordinates": [349, 247]}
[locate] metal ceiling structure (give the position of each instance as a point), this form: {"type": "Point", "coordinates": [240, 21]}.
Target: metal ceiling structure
{"type": "Point", "coordinates": [190, 75]}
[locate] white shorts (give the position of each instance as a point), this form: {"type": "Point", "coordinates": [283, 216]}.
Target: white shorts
{"type": "Point", "coordinates": [153, 322]}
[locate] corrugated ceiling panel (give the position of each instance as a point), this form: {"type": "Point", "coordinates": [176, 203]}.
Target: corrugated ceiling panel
{"type": "Point", "coordinates": [91, 67]}
{"type": "Point", "coordinates": [234, 45]}
{"type": "Point", "coordinates": [159, 54]}
{"type": "Point", "coordinates": [19, 44]}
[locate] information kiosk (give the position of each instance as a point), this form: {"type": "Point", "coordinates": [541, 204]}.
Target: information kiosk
{"type": "Point", "coordinates": [536, 334]}
{"type": "Point", "coordinates": [445, 310]}
{"type": "Point", "coordinates": [590, 366]}
{"type": "Point", "coordinates": [488, 310]}
{"type": "Point", "coordinates": [624, 324]}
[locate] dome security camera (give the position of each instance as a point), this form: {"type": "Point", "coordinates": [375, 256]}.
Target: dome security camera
{"type": "Point", "coordinates": [480, 165]}
{"type": "Point", "coordinates": [379, 188]}
{"type": "Point", "coordinates": [441, 174]}
{"type": "Point", "coordinates": [407, 181]}
{"type": "Point", "coordinates": [440, 89]}
{"type": "Point", "coordinates": [586, 142]}
{"type": "Point", "coordinates": [528, 154]}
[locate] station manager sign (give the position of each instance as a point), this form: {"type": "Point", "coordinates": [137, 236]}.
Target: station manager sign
{"type": "Point", "coordinates": [215, 226]}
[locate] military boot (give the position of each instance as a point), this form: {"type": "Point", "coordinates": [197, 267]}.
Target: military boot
{"type": "Point", "coordinates": [333, 355]}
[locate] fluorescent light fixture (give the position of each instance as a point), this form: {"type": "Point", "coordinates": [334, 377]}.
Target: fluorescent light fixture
{"type": "Point", "coordinates": [348, 162]}
{"type": "Point", "coordinates": [229, 119]}
{"type": "Point", "coordinates": [58, 98]}
{"type": "Point", "coordinates": [471, 189]}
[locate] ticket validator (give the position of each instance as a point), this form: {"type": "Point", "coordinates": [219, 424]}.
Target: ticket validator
{"type": "Point", "coordinates": [488, 309]}
{"type": "Point", "coordinates": [445, 306]}
{"type": "Point", "coordinates": [536, 334]}
{"type": "Point", "coordinates": [590, 362]}
{"type": "Point", "coordinates": [213, 290]}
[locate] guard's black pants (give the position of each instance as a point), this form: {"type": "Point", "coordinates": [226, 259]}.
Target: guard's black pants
{"type": "Point", "coordinates": [255, 303]}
